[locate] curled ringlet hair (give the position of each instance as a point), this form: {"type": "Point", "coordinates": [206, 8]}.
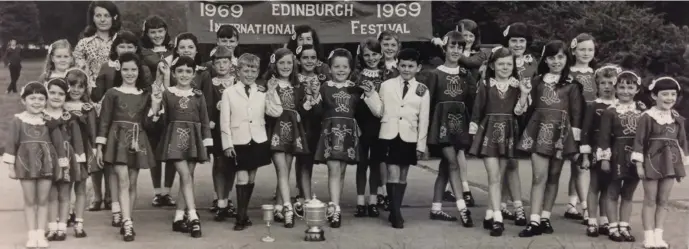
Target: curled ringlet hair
{"type": "Point", "coordinates": [186, 36]}
{"type": "Point", "coordinates": [155, 22]}
{"type": "Point", "coordinates": [183, 61]}
{"type": "Point", "coordinates": [501, 52]}
{"type": "Point", "coordinates": [370, 44]}
{"type": "Point", "coordinates": [552, 48]}
{"type": "Point", "coordinates": [516, 30]}
{"type": "Point", "coordinates": [140, 79]}
{"type": "Point", "coordinates": [77, 77]}
{"type": "Point", "coordinates": [272, 71]}
{"type": "Point", "coordinates": [49, 65]}
{"type": "Point", "coordinates": [123, 37]}
{"type": "Point", "coordinates": [471, 26]}
{"type": "Point", "coordinates": [114, 12]}
{"type": "Point", "coordinates": [664, 83]}
{"type": "Point", "coordinates": [34, 87]}
{"type": "Point", "coordinates": [298, 31]}
{"type": "Point", "coordinates": [58, 82]}
{"type": "Point", "coordinates": [582, 38]}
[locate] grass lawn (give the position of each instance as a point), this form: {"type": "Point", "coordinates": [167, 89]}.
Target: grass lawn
{"type": "Point", "coordinates": [11, 104]}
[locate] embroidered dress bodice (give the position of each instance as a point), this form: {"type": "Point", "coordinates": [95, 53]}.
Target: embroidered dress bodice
{"type": "Point", "coordinates": [340, 99]}
{"type": "Point", "coordinates": [584, 75]}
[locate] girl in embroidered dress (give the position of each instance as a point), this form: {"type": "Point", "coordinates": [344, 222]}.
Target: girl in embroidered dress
{"type": "Point", "coordinates": [517, 38]}
{"type": "Point", "coordinates": [339, 141]}
{"type": "Point", "coordinates": [288, 137]}
{"type": "Point", "coordinates": [83, 114]}
{"type": "Point", "coordinates": [553, 131]}
{"type": "Point", "coordinates": [449, 92]}
{"type": "Point", "coordinates": [368, 60]}
{"type": "Point", "coordinates": [63, 177]}
{"type": "Point", "coordinates": [310, 77]}
{"type": "Point", "coordinates": [583, 50]}
{"type": "Point", "coordinates": [155, 46]}
{"type": "Point", "coordinates": [606, 78]}
{"type": "Point", "coordinates": [660, 153]}
{"type": "Point", "coordinates": [223, 167]}
{"type": "Point", "coordinates": [186, 134]}
{"type": "Point", "coordinates": [186, 44]}
{"type": "Point", "coordinates": [122, 142]}
{"type": "Point", "coordinates": [501, 97]}
{"type": "Point", "coordinates": [32, 152]}
{"type": "Point", "coordinates": [617, 132]}
{"type": "Point", "coordinates": [472, 57]}
{"type": "Point", "coordinates": [57, 61]}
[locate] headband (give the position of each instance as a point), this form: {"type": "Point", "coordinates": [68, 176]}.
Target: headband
{"type": "Point", "coordinates": [143, 26]}
{"type": "Point", "coordinates": [506, 32]}
{"type": "Point", "coordinates": [21, 93]}
{"type": "Point", "coordinates": [653, 84]}
{"type": "Point", "coordinates": [638, 79]}
{"type": "Point", "coordinates": [299, 49]}
{"type": "Point", "coordinates": [331, 54]}
{"type": "Point", "coordinates": [574, 43]}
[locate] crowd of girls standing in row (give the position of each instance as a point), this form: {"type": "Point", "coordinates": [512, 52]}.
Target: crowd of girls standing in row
{"type": "Point", "coordinates": [120, 103]}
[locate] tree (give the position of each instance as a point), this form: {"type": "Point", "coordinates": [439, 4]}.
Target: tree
{"type": "Point", "coordinates": [19, 20]}
{"type": "Point", "coordinates": [134, 14]}
{"type": "Point", "coordinates": [62, 20]}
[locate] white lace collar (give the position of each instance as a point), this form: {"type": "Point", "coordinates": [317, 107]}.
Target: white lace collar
{"type": "Point", "coordinates": [302, 77]}
{"type": "Point", "coordinates": [581, 69]}
{"type": "Point", "coordinates": [181, 93]}
{"type": "Point", "coordinates": [128, 90]}
{"type": "Point", "coordinates": [30, 119]}
{"type": "Point", "coordinates": [662, 117]}
{"type": "Point", "coordinates": [625, 108]}
{"type": "Point", "coordinates": [283, 83]}
{"type": "Point", "coordinates": [73, 106]}
{"type": "Point", "coordinates": [159, 49]}
{"type": "Point", "coordinates": [53, 115]}
{"type": "Point", "coordinates": [340, 84]}
{"type": "Point", "coordinates": [55, 74]}
{"type": "Point", "coordinates": [606, 101]}
{"type": "Point", "coordinates": [551, 78]}
{"type": "Point", "coordinates": [448, 70]}
{"type": "Point", "coordinates": [224, 82]}
{"type": "Point", "coordinates": [502, 85]}
{"type": "Point", "coordinates": [391, 64]}
{"type": "Point", "coordinates": [371, 73]}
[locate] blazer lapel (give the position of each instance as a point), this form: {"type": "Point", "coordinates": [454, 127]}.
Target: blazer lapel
{"type": "Point", "coordinates": [240, 89]}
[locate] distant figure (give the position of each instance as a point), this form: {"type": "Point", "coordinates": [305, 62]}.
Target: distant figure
{"type": "Point", "coordinates": [13, 59]}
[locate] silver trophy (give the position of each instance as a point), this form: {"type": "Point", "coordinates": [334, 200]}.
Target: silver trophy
{"type": "Point", "coordinates": [267, 217]}
{"type": "Point", "coordinates": [315, 215]}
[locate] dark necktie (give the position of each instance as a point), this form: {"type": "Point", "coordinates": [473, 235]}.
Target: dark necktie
{"type": "Point", "coordinates": [247, 88]}
{"type": "Point", "coordinates": [405, 89]}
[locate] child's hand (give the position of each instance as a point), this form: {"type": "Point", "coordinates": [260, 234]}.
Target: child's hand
{"type": "Point", "coordinates": [419, 155]}
{"type": "Point", "coordinates": [156, 99]}
{"type": "Point", "coordinates": [211, 124]}
{"type": "Point", "coordinates": [229, 152]}
{"type": "Point", "coordinates": [163, 67]}
{"type": "Point", "coordinates": [640, 170]}
{"type": "Point", "coordinates": [11, 174]}
{"type": "Point", "coordinates": [272, 84]}
{"type": "Point", "coordinates": [99, 157]}
{"type": "Point", "coordinates": [585, 162]}
{"type": "Point", "coordinates": [525, 86]}
{"type": "Point", "coordinates": [605, 166]}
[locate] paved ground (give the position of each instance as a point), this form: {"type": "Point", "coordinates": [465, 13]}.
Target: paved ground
{"type": "Point", "coordinates": [153, 225]}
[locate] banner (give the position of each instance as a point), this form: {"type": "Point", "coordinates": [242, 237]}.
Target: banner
{"type": "Point", "coordinates": [273, 22]}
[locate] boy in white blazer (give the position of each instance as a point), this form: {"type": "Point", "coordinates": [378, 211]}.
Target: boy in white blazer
{"type": "Point", "coordinates": [403, 110]}
{"type": "Point", "coordinates": [243, 133]}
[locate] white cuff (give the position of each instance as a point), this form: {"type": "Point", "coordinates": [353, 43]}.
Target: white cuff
{"type": "Point", "coordinates": [603, 154]}
{"type": "Point", "coordinates": [307, 106]}
{"type": "Point", "coordinates": [576, 132]}
{"type": "Point", "coordinates": [208, 142]}
{"type": "Point", "coordinates": [101, 140]}
{"type": "Point", "coordinates": [637, 157]}
{"type": "Point", "coordinates": [81, 158]}
{"type": "Point", "coordinates": [8, 158]}
{"type": "Point", "coordinates": [63, 162]}
{"type": "Point", "coordinates": [685, 161]}
{"type": "Point", "coordinates": [473, 128]}
{"type": "Point", "coordinates": [211, 124]}
{"type": "Point", "coordinates": [585, 149]}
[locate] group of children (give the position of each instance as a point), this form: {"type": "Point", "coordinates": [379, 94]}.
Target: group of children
{"type": "Point", "coordinates": [153, 103]}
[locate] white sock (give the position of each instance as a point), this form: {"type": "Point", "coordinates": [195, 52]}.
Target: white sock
{"type": "Point", "coordinates": [535, 218]}
{"type": "Point", "coordinates": [592, 221]}
{"type": "Point", "coordinates": [545, 215]}
{"type": "Point", "coordinates": [222, 203]}
{"type": "Point", "coordinates": [337, 208]}
{"type": "Point", "coordinates": [156, 191]}
{"type": "Point", "coordinates": [517, 204]}
{"type": "Point", "coordinates": [624, 224]}
{"type": "Point", "coordinates": [465, 186]}
{"type": "Point", "coordinates": [489, 214]}
{"type": "Point", "coordinates": [613, 227]}
{"type": "Point", "coordinates": [573, 200]}
{"type": "Point", "coordinates": [497, 216]}
{"type": "Point", "coordinates": [379, 190]}
{"type": "Point", "coordinates": [461, 205]}
{"type": "Point", "coordinates": [179, 215]}
{"type": "Point", "coordinates": [448, 188]}
{"type": "Point", "coordinates": [287, 205]}
{"type": "Point", "coordinates": [503, 205]}
{"type": "Point", "coordinates": [385, 190]}
{"type": "Point", "coordinates": [61, 226]}
{"type": "Point", "coordinates": [166, 191]}
{"type": "Point", "coordinates": [604, 220]}
{"type": "Point", "coordinates": [360, 200]}
{"type": "Point", "coordinates": [52, 226]}
{"type": "Point", "coordinates": [278, 207]}
{"type": "Point", "coordinates": [649, 236]}
{"type": "Point", "coordinates": [658, 234]}
{"type": "Point", "coordinates": [40, 234]}
{"type": "Point", "coordinates": [116, 207]}
{"type": "Point", "coordinates": [583, 205]}
{"type": "Point", "coordinates": [193, 215]}
{"type": "Point", "coordinates": [436, 206]}
{"type": "Point", "coordinates": [372, 199]}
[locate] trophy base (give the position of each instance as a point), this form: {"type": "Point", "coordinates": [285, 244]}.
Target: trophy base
{"type": "Point", "coordinates": [314, 235]}
{"type": "Point", "coordinates": [268, 239]}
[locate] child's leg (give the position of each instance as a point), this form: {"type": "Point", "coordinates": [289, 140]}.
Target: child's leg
{"type": "Point", "coordinates": [492, 165]}
{"type": "Point", "coordinates": [306, 170]}
{"type": "Point", "coordinates": [156, 178]}
{"type": "Point", "coordinates": [513, 183]}
{"type": "Point", "coordinates": [554, 171]}
{"type": "Point", "coordinates": [96, 181]}
{"type": "Point", "coordinates": [219, 181]}
{"type": "Point", "coordinates": [361, 168]}
{"type": "Point", "coordinates": [30, 203]}
{"type": "Point", "coordinates": [109, 182]}
{"type": "Point", "coordinates": [463, 177]}
{"type": "Point", "coordinates": [373, 182]}
{"type": "Point", "coordinates": [168, 180]}
{"type": "Point", "coordinates": [42, 192]}
{"type": "Point", "coordinates": [628, 188]}
{"type": "Point", "coordinates": [114, 186]}
{"type": "Point", "coordinates": [53, 207]}
{"type": "Point", "coordinates": [133, 183]}
{"type": "Point", "coordinates": [611, 204]}
{"type": "Point", "coordinates": [80, 202]}
{"type": "Point", "coordinates": [297, 176]}
{"type": "Point", "coordinates": [602, 201]}
{"type": "Point", "coordinates": [383, 179]}
{"type": "Point", "coordinates": [664, 189]}
{"type": "Point", "coordinates": [229, 178]}
{"type": "Point", "coordinates": [334, 181]}
{"type": "Point", "coordinates": [439, 189]}
{"type": "Point", "coordinates": [122, 174]}
{"type": "Point", "coordinates": [648, 212]}
{"type": "Point", "coordinates": [454, 170]}
{"type": "Point", "coordinates": [540, 177]}
{"type": "Point", "coordinates": [186, 186]}
{"type": "Point", "coordinates": [582, 187]}
{"type": "Point", "coordinates": [64, 189]}
{"type": "Point", "coordinates": [282, 173]}
{"type": "Point", "coordinates": [592, 197]}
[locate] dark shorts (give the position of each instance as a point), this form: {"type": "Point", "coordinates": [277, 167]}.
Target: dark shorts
{"type": "Point", "coordinates": [253, 155]}
{"type": "Point", "coordinates": [399, 152]}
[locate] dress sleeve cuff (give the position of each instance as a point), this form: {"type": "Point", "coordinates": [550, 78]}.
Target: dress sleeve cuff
{"type": "Point", "coordinates": [81, 158]}
{"type": "Point", "coordinates": [8, 158]}
{"type": "Point", "coordinates": [101, 140]}
{"type": "Point", "coordinates": [63, 162]}
{"type": "Point", "coordinates": [576, 132]}
{"type": "Point", "coordinates": [637, 157]}
{"type": "Point", "coordinates": [473, 128]}
{"type": "Point", "coordinates": [307, 106]}
{"type": "Point", "coordinates": [585, 149]}
{"type": "Point", "coordinates": [208, 142]}
{"type": "Point", "coordinates": [605, 154]}
{"type": "Point", "coordinates": [685, 161]}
